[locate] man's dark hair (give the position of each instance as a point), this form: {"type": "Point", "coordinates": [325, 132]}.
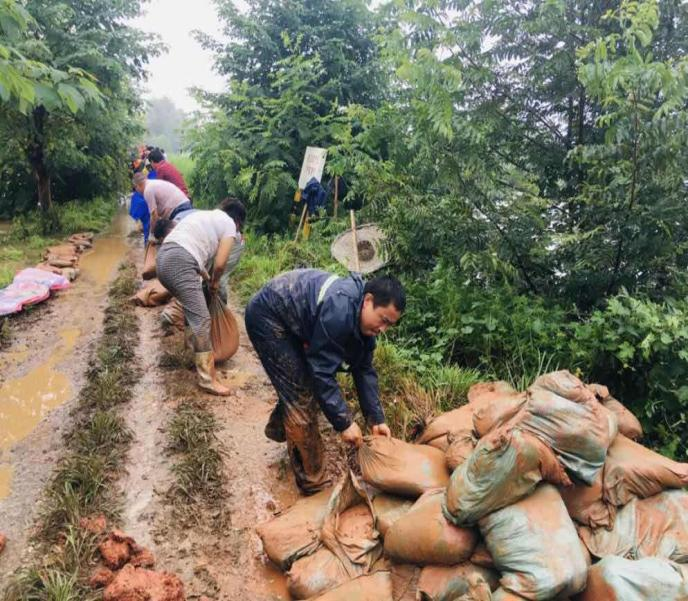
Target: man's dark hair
{"type": "Point", "coordinates": [162, 227]}
{"type": "Point", "coordinates": [156, 156]}
{"type": "Point", "coordinates": [386, 289]}
{"type": "Point", "coordinates": [235, 209]}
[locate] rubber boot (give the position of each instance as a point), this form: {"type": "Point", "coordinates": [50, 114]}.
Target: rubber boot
{"type": "Point", "coordinates": [205, 367]}
{"type": "Point", "coordinates": [274, 429]}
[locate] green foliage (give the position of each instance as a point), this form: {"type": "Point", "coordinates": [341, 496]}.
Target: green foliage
{"type": "Point", "coordinates": [184, 163]}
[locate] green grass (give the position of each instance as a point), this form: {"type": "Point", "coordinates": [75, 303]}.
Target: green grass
{"type": "Point", "coordinates": [184, 163]}
{"type": "Point", "coordinates": [84, 482]}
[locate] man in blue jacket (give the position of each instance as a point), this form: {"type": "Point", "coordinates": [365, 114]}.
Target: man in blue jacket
{"type": "Point", "coordinates": [305, 326]}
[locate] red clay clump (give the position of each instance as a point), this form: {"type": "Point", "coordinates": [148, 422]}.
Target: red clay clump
{"type": "Point", "coordinates": [101, 577]}
{"type": "Point", "coordinates": [138, 584]}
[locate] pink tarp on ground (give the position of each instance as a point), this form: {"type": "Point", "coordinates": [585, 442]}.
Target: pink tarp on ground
{"type": "Point", "coordinates": [39, 276]}
{"type": "Point", "coordinates": [30, 286]}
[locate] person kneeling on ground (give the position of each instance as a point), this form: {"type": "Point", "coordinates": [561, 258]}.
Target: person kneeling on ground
{"type": "Point", "coordinates": [305, 325]}
{"type": "Point", "coordinates": [202, 239]}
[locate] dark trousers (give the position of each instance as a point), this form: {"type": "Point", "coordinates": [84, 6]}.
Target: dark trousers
{"type": "Point", "coordinates": [284, 360]}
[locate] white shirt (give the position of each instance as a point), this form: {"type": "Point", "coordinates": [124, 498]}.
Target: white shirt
{"type": "Point", "coordinates": [200, 234]}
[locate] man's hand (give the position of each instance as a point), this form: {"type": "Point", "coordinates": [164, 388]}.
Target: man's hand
{"type": "Point", "coordinates": [353, 435]}
{"type": "Point", "coordinates": [382, 430]}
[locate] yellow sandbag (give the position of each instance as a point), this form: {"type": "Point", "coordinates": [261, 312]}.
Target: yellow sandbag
{"type": "Point", "coordinates": [224, 330]}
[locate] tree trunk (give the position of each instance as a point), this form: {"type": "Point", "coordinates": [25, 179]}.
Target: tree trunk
{"type": "Point", "coordinates": [37, 160]}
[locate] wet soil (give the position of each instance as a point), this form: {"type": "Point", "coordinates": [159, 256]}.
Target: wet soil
{"type": "Point", "coordinates": [41, 373]}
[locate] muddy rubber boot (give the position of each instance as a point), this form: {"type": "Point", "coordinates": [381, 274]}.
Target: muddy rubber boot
{"type": "Point", "coordinates": [205, 367]}
{"type": "Point", "coordinates": [274, 429]}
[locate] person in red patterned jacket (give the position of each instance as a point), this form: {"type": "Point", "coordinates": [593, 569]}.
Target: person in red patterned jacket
{"type": "Point", "coordinates": [167, 171]}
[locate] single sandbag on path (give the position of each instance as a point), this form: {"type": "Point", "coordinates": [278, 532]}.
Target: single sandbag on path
{"type": "Point", "coordinates": [579, 433]}
{"type": "Point", "coordinates": [535, 546]}
{"type": "Point", "coordinates": [424, 536]}
{"type": "Point", "coordinates": [493, 404]}
{"type": "Point", "coordinates": [632, 470]}
{"type": "Point", "coordinates": [443, 583]}
{"type": "Point", "coordinates": [153, 295]}
{"type": "Point", "coordinates": [296, 532]}
{"type": "Point", "coordinates": [224, 331]}
{"type": "Point", "coordinates": [506, 466]}
{"type": "Point", "coordinates": [650, 579]}
{"type": "Point", "coordinates": [351, 544]}
{"type": "Point", "coordinates": [388, 509]}
{"type": "Point", "coordinates": [629, 425]}
{"type": "Point", "coordinates": [376, 587]}
{"type": "Point", "coordinates": [435, 433]}
{"type": "Point", "coordinates": [401, 468]}
{"type": "Point", "coordinates": [653, 527]}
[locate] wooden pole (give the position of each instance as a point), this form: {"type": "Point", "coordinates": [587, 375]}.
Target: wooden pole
{"type": "Point", "coordinates": [357, 263]}
{"type": "Point", "coordinates": [303, 217]}
{"type": "Point", "coordinates": [336, 195]}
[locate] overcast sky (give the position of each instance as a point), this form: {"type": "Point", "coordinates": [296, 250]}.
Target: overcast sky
{"type": "Point", "coordinates": [185, 64]}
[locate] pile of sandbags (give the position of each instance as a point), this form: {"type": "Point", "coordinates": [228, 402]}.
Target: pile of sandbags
{"type": "Point", "coordinates": [63, 259]}
{"type": "Point", "coordinates": [542, 494]}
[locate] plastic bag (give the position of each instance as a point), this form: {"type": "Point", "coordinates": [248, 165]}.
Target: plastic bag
{"type": "Point", "coordinates": [535, 546]}
{"type": "Point", "coordinates": [435, 433]}
{"type": "Point", "coordinates": [401, 468]}
{"type": "Point", "coordinates": [388, 509]}
{"type": "Point", "coordinates": [376, 587]}
{"type": "Point", "coordinates": [149, 258]}
{"type": "Point", "coordinates": [493, 403]}
{"type": "Point", "coordinates": [654, 527]}
{"type": "Point", "coordinates": [578, 432]}
{"type": "Point", "coordinates": [39, 276]}
{"type": "Point", "coordinates": [618, 579]}
{"type": "Point", "coordinates": [424, 536]}
{"type": "Point", "coordinates": [506, 466]}
{"type": "Point", "coordinates": [439, 583]}
{"type": "Point", "coordinates": [224, 331]}
{"type": "Point", "coordinates": [631, 470]}
{"type": "Point", "coordinates": [461, 444]}
{"type": "Point", "coordinates": [18, 295]}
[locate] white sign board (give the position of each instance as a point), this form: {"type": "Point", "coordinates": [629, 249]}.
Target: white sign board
{"type": "Point", "coordinates": [313, 165]}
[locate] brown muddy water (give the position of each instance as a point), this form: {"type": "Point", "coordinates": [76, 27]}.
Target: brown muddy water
{"type": "Point", "coordinates": [31, 390]}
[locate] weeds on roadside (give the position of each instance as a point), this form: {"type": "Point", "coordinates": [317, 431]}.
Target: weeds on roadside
{"type": "Point", "coordinates": [83, 483]}
{"type": "Point", "coordinates": [198, 470]}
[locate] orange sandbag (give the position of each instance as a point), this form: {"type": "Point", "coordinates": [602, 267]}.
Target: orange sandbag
{"type": "Point", "coordinates": [564, 384]}
{"type": "Point", "coordinates": [435, 433]}
{"type": "Point", "coordinates": [376, 587]}
{"type": "Point", "coordinates": [224, 331]}
{"type": "Point", "coordinates": [629, 425]}
{"type": "Point", "coordinates": [586, 505]}
{"type": "Point", "coordinates": [493, 403]}
{"type": "Point", "coordinates": [506, 466]}
{"type": "Point", "coordinates": [325, 570]}
{"type": "Point", "coordinates": [398, 467]}
{"type": "Point", "coordinates": [296, 532]}
{"type": "Point", "coordinates": [631, 470]}
{"type": "Point", "coordinates": [62, 250]}
{"type": "Point", "coordinates": [440, 583]}
{"type": "Point", "coordinates": [654, 527]}
{"type": "Point", "coordinates": [153, 295]}
{"type": "Point", "coordinates": [461, 444]}
{"type": "Point", "coordinates": [388, 509]}
{"type": "Point", "coordinates": [424, 536]}
{"type": "Point", "coordinates": [536, 548]}
{"type": "Point", "coordinates": [149, 258]}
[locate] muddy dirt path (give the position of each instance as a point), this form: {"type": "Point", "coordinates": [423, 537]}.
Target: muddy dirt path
{"type": "Point", "coordinates": [216, 559]}
{"type": "Point", "coordinates": [41, 373]}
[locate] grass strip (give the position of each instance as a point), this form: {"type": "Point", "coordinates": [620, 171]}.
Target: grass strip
{"type": "Point", "coordinates": [84, 483]}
